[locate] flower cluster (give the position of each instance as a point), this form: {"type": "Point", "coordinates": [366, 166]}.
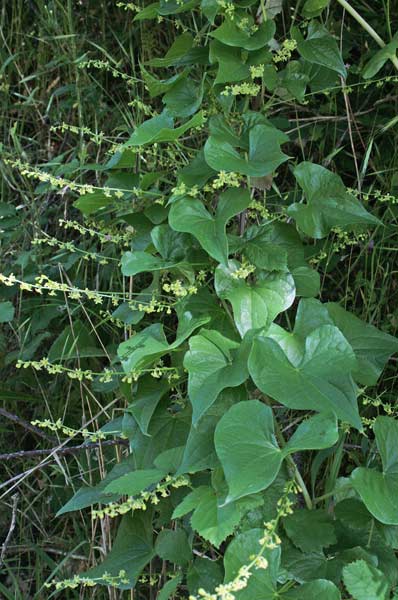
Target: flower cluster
{"type": "Point", "coordinates": [226, 179]}
{"type": "Point", "coordinates": [244, 270]}
{"type": "Point", "coordinates": [285, 52]}
{"type": "Point", "coordinates": [256, 71]}
{"type": "Point", "coordinates": [162, 490]}
{"type": "Point", "coordinates": [70, 247]}
{"type": "Point", "coordinates": [178, 289]}
{"type": "Point", "coordinates": [241, 89]}
{"type": "Point", "coordinates": [93, 436]}
{"type": "Point", "coordinates": [77, 580]}
{"type": "Point", "coordinates": [97, 138]}
{"type": "Point", "coordinates": [104, 234]}
{"type": "Point", "coordinates": [104, 65]}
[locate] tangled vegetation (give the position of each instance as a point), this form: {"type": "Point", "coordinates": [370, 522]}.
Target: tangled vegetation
{"type": "Point", "coordinates": [198, 298]}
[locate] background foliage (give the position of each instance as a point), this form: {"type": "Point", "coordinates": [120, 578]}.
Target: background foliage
{"type": "Point", "coordinates": [197, 198]}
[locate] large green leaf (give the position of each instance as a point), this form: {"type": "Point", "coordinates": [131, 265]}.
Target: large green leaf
{"type": "Point", "coordinates": [254, 306]}
{"type": "Point", "coordinates": [190, 215]}
{"type": "Point", "coordinates": [214, 363]}
{"type": "Point", "coordinates": [379, 489]}
{"type": "Point", "coordinates": [131, 550]}
{"type": "Point", "coordinates": [231, 67]}
{"type": "Point", "coordinates": [364, 582]}
{"type": "Point", "coordinates": [263, 158]}
{"type": "Point", "coordinates": [321, 48]}
{"type": "Point", "coordinates": [181, 45]}
{"type": "Point", "coordinates": [328, 203]}
{"type": "Point", "coordinates": [173, 545]}
{"type": "Point", "coordinates": [245, 436]}
{"type": "Point", "coordinates": [316, 377]}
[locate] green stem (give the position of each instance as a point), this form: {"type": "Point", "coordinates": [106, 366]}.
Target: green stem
{"type": "Point", "coordinates": [347, 6]}
{"type": "Point", "coordinates": [296, 472]}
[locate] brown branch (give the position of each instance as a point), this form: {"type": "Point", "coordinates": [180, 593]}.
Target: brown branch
{"type": "Point", "coordinates": [26, 425]}
{"type": "Point", "coordinates": [62, 451]}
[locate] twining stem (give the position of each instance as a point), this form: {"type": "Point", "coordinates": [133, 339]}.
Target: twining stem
{"type": "Point", "coordinates": [367, 28]}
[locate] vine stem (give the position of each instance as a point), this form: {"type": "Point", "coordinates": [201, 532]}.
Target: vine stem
{"type": "Point", "coordinates": [296, 472]}
{"type": "Point", "coordinates": [351, 10]}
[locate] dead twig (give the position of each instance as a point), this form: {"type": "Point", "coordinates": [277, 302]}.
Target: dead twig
{"type": "Point", "coordinates": [15, 498]}
{"type": "Point", "coordinates": [62, 451]}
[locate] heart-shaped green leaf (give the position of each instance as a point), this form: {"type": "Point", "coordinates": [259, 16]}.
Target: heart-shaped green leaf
{"type": "Point", "coordinates": [254, 306]}
{"type": "Point", "coordinates": [214, 363]}
{"type": "Point", "coordinates": [189, 215]}
{"type": "Point", "coordinates": [328, 203]}
{"type": "Point", "coordinates": [379, 489]}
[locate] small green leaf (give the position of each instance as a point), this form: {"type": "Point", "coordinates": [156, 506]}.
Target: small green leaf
{"type": "Point", "coordinates": [7, 312]}
{"type": "Point", "coordinates": [145, 400]}
{"type": "Point", "coordinates": [254, 306]}
{"type": "Point", "coordinates": [181, 45]}
{"type": "Point", "coordinates": [189, 215]}
{"type": "Point", "coordinates": [170, 587]}
{"type": "Point", "coordinates": [321, 48]}
{"type": "Point", "coordinates": [364, 582]}
{"type": "Point", "coordinates": [313, 8]}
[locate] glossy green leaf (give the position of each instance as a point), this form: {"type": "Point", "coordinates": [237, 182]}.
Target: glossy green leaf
{"type": "Point", "coordinates": [183, 99]}
{"type": "Point", "coordinates": [328, 203]}
{"type": "Point", "coordinates": [214, 363]}
{"type": "Point", "coordinates": [319, 378]}
{"type": "Point", "coordinates": [379, 489]}
{"type": "Point", "coordinates": [321, 48]}
{"type": "Point", "coordinates": [364, 582]}
{"type": "Point", "coordinates": [256, 305]}
{"type": "Point", "coordinates": [190, 215]}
